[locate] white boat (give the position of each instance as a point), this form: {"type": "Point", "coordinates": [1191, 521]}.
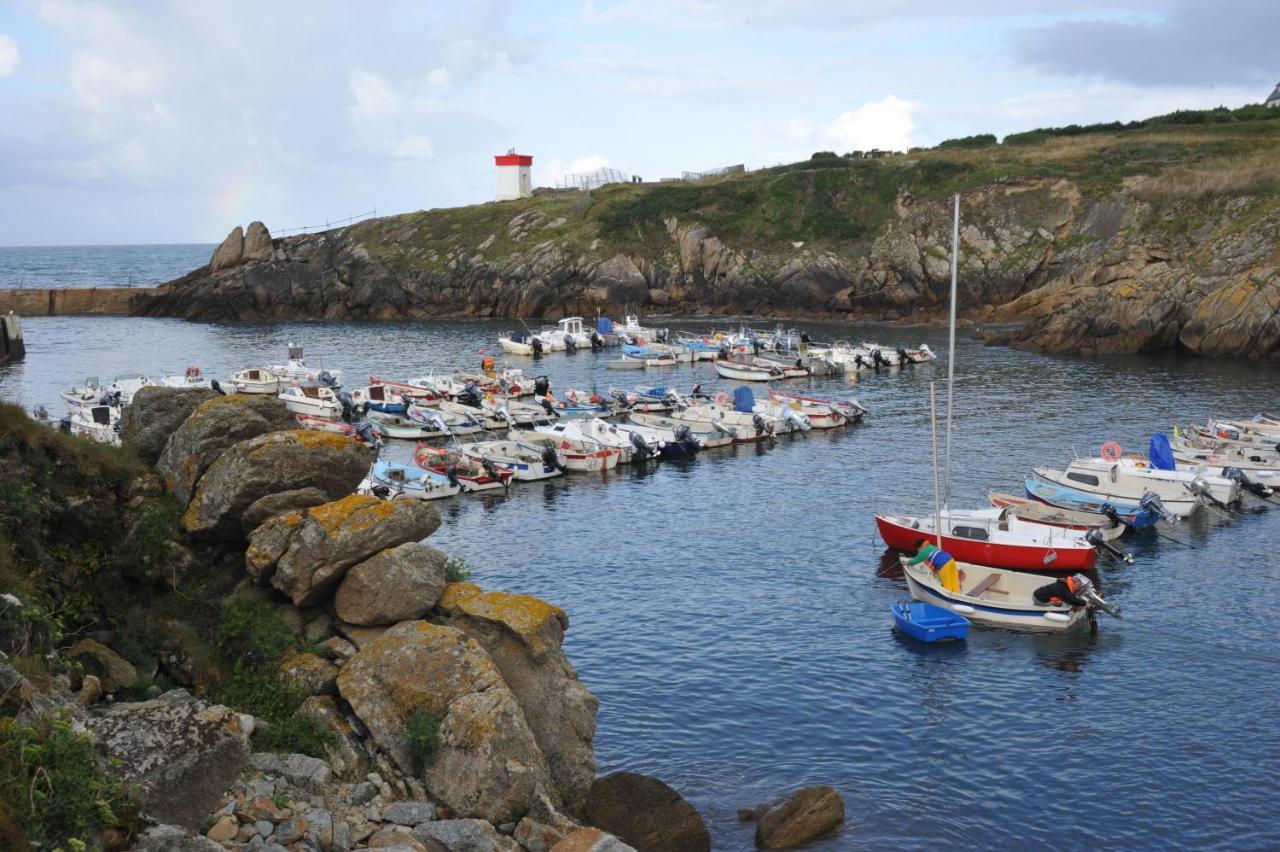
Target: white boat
{"type": "Point", "coordinates": [746, 371]}
{"type": "Point", "coordinates": [296, 370]}
{"type": "Point", "coordinates": [1191, 457]}
{"type": "Point", "coordinates": [256, 380]}
{"type": "Point", "coordinates": [625, 363]}
{"type": "Point", "coordinates": [708, 435]}
{"type": "Point", "coordinates": [87, 394]}
{"type": "Point", "coordinates": [633, 332]}
{"type": "Point", "coordinates": [1115, 485]}
{"type": "Point", "coordinates": [994, 597]}
{"type": "Point", "coordinates": [822, 413]}
{"type": "Point", "coordinates": [578, 455]}
{"type": "Point", "coordinates": [517, 342]}
{"type": "Point", "coordinates": [446, 423]}
{"type": "Point", "coordinates": [316, 400]}
{"type": "Point", "coordinates": [397, 426]}
{"type": "Point", "coordinates": [99, 423]}
{"type": "Point", "coordinates": [569, 333]}
{"type": "Point", "coordinates": [124, 386]}
{"type": "Point", "coordinates": [1218, 487]}
{"type": "Point", "coordinates": [409, 482]}
{"type": "Point", "coordinates": [325, 424]}
{"type": "Point", "coordinates": [722, 411]}
{"type": "Point", "coordinates": [191, 378]}
{"type": "Point", "coordinates": [630, 445]}
{"type": "Point", "coordinates": [518, 413]}
{"type": "Point", "coordinates": [490, 420]}
{"type": "Point", "coordinates": [525, 463]}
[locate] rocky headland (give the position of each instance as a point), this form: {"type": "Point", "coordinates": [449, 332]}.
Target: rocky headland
{"type": "Point", "coordinates": [208, 642]}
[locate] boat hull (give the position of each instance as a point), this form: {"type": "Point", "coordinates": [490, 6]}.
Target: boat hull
{"type": "Point", "coordinates": [1021, 616]}
{"type": "Point", "coordinates": [1015, 557]}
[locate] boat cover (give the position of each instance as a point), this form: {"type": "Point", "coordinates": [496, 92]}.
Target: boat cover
{"type": "Point", "coordinates": [1159, 454]}
{"type": "Point", "coordinates": [521, 336]}
{"type": "Point", "coordinates": [604, 325]}
{"type": "Point", "coordinates": [744, 400]}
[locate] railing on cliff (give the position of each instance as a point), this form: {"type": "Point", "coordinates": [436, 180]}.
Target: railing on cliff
{"type": "Point", "coordinates": [306, 229]}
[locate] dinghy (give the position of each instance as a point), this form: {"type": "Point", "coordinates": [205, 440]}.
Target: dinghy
{"type": "Point", "coordinates": [993, 537]}
{"type": "Point", "coordinates": [745, 370]}
{"type": "Point", "coordinates": [929, 623]}
{"type": "Point", "coordinates": [525, 463]}
{"type": "Point", "coordinates": [631, 446]}
{"type": "Point", "coordinates": [472, 476]}
{"type": "Point", "coordinates": [625, 363]}
{"type": "Point", "coordinates": [708, 435]}
{"type": "Point", "coordinates": [316, 400]}
{"type": "Point", "coordinates": [411, 482]}
{"type": "Point", "coordinates": [1135, 514]}
{"type": "Point", "coordinates": [821, 413]}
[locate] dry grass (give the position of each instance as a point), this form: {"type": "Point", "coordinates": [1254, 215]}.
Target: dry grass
{"type": "Point", "coordinates": [1220, 176]}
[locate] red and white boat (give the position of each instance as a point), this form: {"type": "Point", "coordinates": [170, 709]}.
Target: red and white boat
{"type": "Point", "coordinates": [326, 424]}
{"type": "Point", "coordinates": [994, 538]}
{"type": "Point", "coordinates": [822, 413]}
{"type": "Point", "coordinates": [1035, 512]}
{"type": "Point", "coordinates": [471, 475]}
{"type": "Point", "coordinates": [580, 455]}
{"type": "Point", "coordinates": [416, 392]}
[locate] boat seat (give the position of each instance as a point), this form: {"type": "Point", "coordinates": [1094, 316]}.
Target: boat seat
{"type": "Point", "coordinates": [987, 582]}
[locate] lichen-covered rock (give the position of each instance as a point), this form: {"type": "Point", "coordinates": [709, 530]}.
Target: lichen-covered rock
{"type": "Point", "coordinates": [269, 464]}
{"type": "Point", "coordinates": [214, 426]}
{"type": "Point", "coordinates": [488, 765]}
{"type": "Point", "coordinates": [398, 584]}
{"type": "Point", "coordinates": [181, 753]}
{"type": "Point", "coordinates": [812, 813]}
{"type": "Point", "coordinates": [277, 504]}
{"type": "Point", "coordinates": [300, 770]}
{"type": "Point", "coordinates": [345, 753]}
{"type": "Point", "coordinates": [307, 553]}
{"type": "Point", "coordinates": [1239, 319]}
{"type": "Point", "coordinates": [591, 840]}
{"type": "Point", "coordinates": [155, 414]}
{"type": "Point", "coordinates": [308, 673]}
{"type": "Point", "coordinates": [646, 813]}
{"type": "Point", "coordinates": [522, 636]}
{"type": "Point", "coordinates": [462, 835]}
{"type": "Point", "coordinates": [113, 671]}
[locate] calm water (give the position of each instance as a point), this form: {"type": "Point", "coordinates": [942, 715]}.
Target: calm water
{"type": "Point", "coordinates": [98, 266]}
{"type": "Point", "coordinates": [732, 612]}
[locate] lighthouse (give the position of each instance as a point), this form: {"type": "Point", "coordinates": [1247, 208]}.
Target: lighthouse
{"type": "Point", "coordinates": [513, 175]}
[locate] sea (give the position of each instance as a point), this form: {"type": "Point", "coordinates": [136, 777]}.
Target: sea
{"type": "Point", "coordinates": [732, 612]}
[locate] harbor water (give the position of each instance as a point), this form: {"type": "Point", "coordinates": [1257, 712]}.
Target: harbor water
{"type": "Point", "coordinates": [732, 612]}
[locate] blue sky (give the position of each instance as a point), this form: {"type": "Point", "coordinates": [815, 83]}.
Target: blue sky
{"type": "Point", "coordinates": [173, 122]}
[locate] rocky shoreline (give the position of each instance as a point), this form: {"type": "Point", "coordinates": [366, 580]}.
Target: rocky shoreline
{"type": "Point", "coordinates": [264, 660]}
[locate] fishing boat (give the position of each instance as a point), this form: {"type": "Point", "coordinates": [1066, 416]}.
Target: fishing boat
{"type": "Point", "coordinates": [1112, 485]}
{"type": "Point", "coordinates": [736, 410]}
{"type": "Point", "coordinates": [746, 370]}
{"type": "Point", "coordinates": [509, 381]}
{"type": "Point", "coordinates": [488, 420]}
{"type": "Point", "coordinates": [625, 363]}
{"type": "Point", "coordinates": [404, 390]}
{"type": "Point", "coordinates": [517, 342]}
{"type": "Point", "coordinates": [790, 369]}
{"type": "Point", "coordinates": [993, 537]}
{"type": "Point", "coordinates": [631, 446]}
{"type": "Point", "coordinates": [993, 597]}
{"type": "Point", "coordinates": [472, 476]}
{"type": "Point", "coordinates": [461, 421]}
{"type": "Point", "coordinates": [98, 423]}
{"type": "Point", "coordinates": [411, 482]}
{"type": "Point", "coordinates": [1033, 511]}
{"type": "Point", "coordinates": [1218, 488]}
{"type": "Point", "coordinates": [578, 455]}
{"type": "Point", "coordinates": [517, 413]}
{"type": "Point", "coordinates": [929, 623]}
{"type": "Point", "coordinates": [402, 428]}
{"type": "Point", "coordinates": [708, 435]}
{"type": "Point", "coordinates": [633, 332]}
{"type": "Point", "coordinates": [525, 463]}
{"type": "Point", "coordinates": [649, 400]}
{"type": "Point", "coordinates": [295, 369]}
{"type": "Point", "coordinates": [316, 400]}
{"type": "Point", "coordinates": [256, 380]}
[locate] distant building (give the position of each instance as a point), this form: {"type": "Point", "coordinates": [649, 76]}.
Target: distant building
{"type": "Point", "coordinates": [513, 175]}
{"type": "Point", "coordinates": [1274, 100]}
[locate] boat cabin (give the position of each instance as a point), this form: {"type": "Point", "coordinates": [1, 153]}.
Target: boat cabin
{"type": "Point", "coordinates": [570, 325]}
{"type": "Point", "coordinates": [101, 415]}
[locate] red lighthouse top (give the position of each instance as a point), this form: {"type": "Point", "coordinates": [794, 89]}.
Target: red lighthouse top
{"type": "Point", "coordinates": [513, 159]}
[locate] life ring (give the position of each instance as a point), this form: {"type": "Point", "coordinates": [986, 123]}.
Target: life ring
{"type": "Point", "coordinates": [1111, 451]}
{"type": "Point", "coordinates": [723, 399]}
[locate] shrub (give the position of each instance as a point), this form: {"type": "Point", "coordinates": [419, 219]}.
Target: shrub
{"type": "Point", "coordinates": [979, 140]}
{"type": "Point", "coordinates": [824, 155]}
{"type": "Point", "coordinates": [51, 790]}
{"type": "Point", "coordinates": [27, 629]}
{"type": "Point", "coordinates": [144, 548]}
{"type": "Point", "coordinates": [423, 739]}
{"type": "Point", "coordinates": [457, 570]}
{"type": "Point", "coordinates": [252, 633]}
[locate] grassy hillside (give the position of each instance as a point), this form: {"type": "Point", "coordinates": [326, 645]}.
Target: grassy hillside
{"type": "Point", "coordinates": [840, 203]}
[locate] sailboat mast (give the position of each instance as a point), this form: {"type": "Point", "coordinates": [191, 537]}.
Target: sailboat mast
{"type": "Point", "coordinates": [951, 348]}
{"type": "Point", "coordinates": [933, 429]}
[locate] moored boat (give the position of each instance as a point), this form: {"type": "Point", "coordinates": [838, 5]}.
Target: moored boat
{"type": "Point", "coordinates": [525, 463]}
{"type": "Point", "coordinates": [993, 537]}
{"type": "Point", "coordinates": [1112, 485]}
{"type": "Point", "coordinates": [316, 400]}
{"type": "Point", "coordinates": [256, 380]}
{"type": "Point", "coordinates": [472, 476]}
{"type": "Point", "coordinates": [579, 455]}
{"type": "Point", "coordinates": [1034, 511]}
{"type": "Point", "coordinates": [411, 482]}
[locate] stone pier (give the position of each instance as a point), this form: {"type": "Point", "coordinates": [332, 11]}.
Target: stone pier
{"type": "Point", "coordinates": [11, 346]}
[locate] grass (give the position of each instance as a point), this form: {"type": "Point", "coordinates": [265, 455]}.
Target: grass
{"type": "Point", "coordinates": [457, 570]}
{"type": "Point", "coordinates": [422, 734]}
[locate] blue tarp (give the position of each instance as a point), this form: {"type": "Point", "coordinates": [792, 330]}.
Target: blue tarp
{"type": "Point", "coordinates": [604, 325]}
{"type": "Point", "coordinates": [1159, 454]}
{"type": "Point", "coordinates": [744, 400]}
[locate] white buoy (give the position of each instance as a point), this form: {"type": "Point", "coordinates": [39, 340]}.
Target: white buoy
{"type": "Point", "coordinates": [963, 609]}
{"type": "Point", "coordinates": [1057, 616]}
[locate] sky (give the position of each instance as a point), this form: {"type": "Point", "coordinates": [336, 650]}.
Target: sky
{"type": "Point", "coordinates": [160, 122]}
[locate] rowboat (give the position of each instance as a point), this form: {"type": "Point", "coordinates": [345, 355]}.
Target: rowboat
{"type": "Point", "coordinates": [1033, 511]}
{"type": "Point", "coordinates": [255, 380]}
{"type": "Point", "coordinates": [1132, 513]}
{"type": "Point", "coordinates": [98, 423]}
{"type": "Point", "coordinates": [296, 370]}
{"type": "Point", "coordinates": [993, 597]}
{"type": "Point", "coordinates": [746, 370]}
{"type": "Point", "coordinates": [472, 476]}
{"type": "Point", "coordinates": [578, 455]}
{"type": "Point", "coordinates": [631, 446]}
{"type": "Point", "coordinates": [707, 434]}
{"type": "Point", "coordinates": [993, 537]}
{"type": "Point", "coordinates": [1114, 486]}
{"type": "Point", "coordinates": [525, 463]}
{"type": "Point", "coordinates": [929, 623]}
{"type": "Point", "coordinates": [411, 481]}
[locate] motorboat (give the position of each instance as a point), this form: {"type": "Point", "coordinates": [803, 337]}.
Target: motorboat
{"type": "Point", "coordinates": [822, 413]}
{"type": "Point", "coordinates": [411, 482]}
{"type": "Point", "coordinates": [467, 421]}
{"type": "Point", "coordinates": [192, 377]}
{"type": "Point", "coordinates": [256, 380]}
{"type": "Point", "coordinates": [405, 390]}
{"type": "Point", "coordinates": [1190, 457]}
{"type": "Point", "coordinates": [384, 398]}
{"type": "Point", "coordinates": [526, 463]}
{"type": "Point", "coordinates": [1114, 486]}
{"type": "Point", "coordinates": [488, 419]}
{"type": "Point", "coordinates": [993, 537]}
{"type": "Point", "coordinates": [625, 363]}
{"type": "Point", "coordinates": [472, 476]}
{"type": "Point", "coordinates": [316, 400]}
{"type": "Point", "coordinates": [708, 435]}
{"type": "Point", "coordinates": [1219, 488]}
{"type": "Point", "coordinates": [1033, 511]}
{"type": "Point", "coordinates": [631, 446]}
{"type": "Point", "coordinates": [747, 370]}
{"type": "Point", "coordinates": [649, 400]}
{"type": "Point", "coordinates": [517, 413]}
{"type": "Point", "coordinates": [98, 423]}
{"type": "Point", "coordinates": [579, 455]}
{"type": "Point", "coordinates": [633, 332]}
{"type": "Point", "coordinates": [295, 369]}
{"type": "Point", "coordinates": [124, 386]}
{"type": "Point", "coordinates": [672, 443]}
{"type": "Point", "coordinates": [87, 394]}
{"type": "Point", "coordinates": [402, 428]}
{"type": "Point", "coordinates": [1137, 514]}
{"type": "Point", "coordinates": [518, 343]}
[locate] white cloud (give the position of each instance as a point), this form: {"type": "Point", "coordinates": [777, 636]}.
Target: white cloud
{"type": "Point", "coordinates": [557, 167]}
{"type": "Point", "coordinates": [9, 55]}
{"type": "Point", "coordinates": [887, 123]}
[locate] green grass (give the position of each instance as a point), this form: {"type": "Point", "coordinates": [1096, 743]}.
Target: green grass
{"type": "Point", "coordinates": [422, 734]}
{"type": "Point", "coordinates": [457, 570]}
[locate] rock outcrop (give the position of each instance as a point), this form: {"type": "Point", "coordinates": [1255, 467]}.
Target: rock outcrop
{"type": "Point", "coordinates": [646, 813]}
{"type": "Point", "coordinates": [257, 242]}
{"type": "Point", "coordinates": [230, 252]}
{"type": "Point", "coordinates": [155, 414]}
{"type": "Point", "coordinates": [805, 816]}
{"type": "Point", "coordinates": [112, 671]}
{"type": "Point", "coordinates": [398, 584]}
{"type": "Point", "coordinates": [270, 464]}
{"type": "Point", "coordinates": [488, 765]}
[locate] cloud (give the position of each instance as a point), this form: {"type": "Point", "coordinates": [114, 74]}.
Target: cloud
{"type": "Point", "coordinates": [9, 55]}
{"type": "Point", "coordinates": [1194, 43]}
{"type": "Point", "coordinates": [887, 123]}
{"type": "Point", "coordinates": [557, 167]}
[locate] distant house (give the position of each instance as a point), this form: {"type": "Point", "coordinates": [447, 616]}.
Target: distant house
{"type": "Point", "coordinates": [1274, 100]}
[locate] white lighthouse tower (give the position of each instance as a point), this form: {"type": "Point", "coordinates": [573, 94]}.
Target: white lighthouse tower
{"type": "Point", "coordinates": [513, 175]}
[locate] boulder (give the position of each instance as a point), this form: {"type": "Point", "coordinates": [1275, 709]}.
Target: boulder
{"type": "Point", "coordinates": [591, 840]}
{"type": "Point", "coordinates": [269, 464]}
{"type": "Point", "coordinates": [646, 813]}
{"type": "Point", "coordinates": [522, 636]}
{"type": "Point", "coordinates": [809, 814]}
{"type": "Point", "coordinates": [174, 838]}
{"type": "Point", "coordinates": [215, 425]}
{"type": "Point", "coordinates": [181, 753]}
{"type": "Point", "coordinates": [257, 242]}
{"type": "Point", "coordinates": [488, 765]}
{"type": "Point", "coordinates": [536, 836]}
{"type": "Point", "coordinates": [155, 414]}
{"type": "Point", "coordinates": [398, 584]}
{"type": "Point", "coordinates": [229, 252]}
{"type": "Point", "coordinates": [277, 504]}
{"type": "Point", "coordinates": [409, 813]}
{"type": "Point", "coordinates": [460, 835]}
{"type": "Point", "coordinates": [113, 671]}
{"type": "Point", "coordinates": [307, 553]}
{"type": "Point", "coordinates": [345, 753]}
{"type": "Point", "coordinates": [308, 673]}
{"type": "Point", "coordinates": [307, 773]}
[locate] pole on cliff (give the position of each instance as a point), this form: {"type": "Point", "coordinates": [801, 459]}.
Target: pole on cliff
{"type": "Point", "coordinates": [951, 349]}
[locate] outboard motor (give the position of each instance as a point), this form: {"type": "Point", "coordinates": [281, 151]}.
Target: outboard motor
{"type": "Point", "coordinates": [570, 343]}
{"type": "Point", "coordinates": [797, 421]}
{"type": "Point", "coordinates": [365, 432]}
{"type": "Point", "coordinates": [1094, 537]}
{"type": "Point", "coordinates": [64, 425]}
{"type": "Point", "coordinates": [1112, 515]}
{"type": "Point", "coordinates": [623, 402]}
{"type": "Point", "coordinates": [723, 350]}
{"type": "Point", "coordinates": [541, 386]}
{"type": "Point", "coordinates": [469, 396]}
{"type": "Point", "coordinates": [1151, 502]}
{"type": "Point", "coordinates": [696, 393]}
{"type": "Point", "coordinates": [348, 404]}
{"type": "Point", "coordinates": [536, 343]}
{"type": "Point", "coordinates": [490, 468]}
{"type": "Point", "coordinates": [451, 474]}
{"type": "Point", "coordinates": [40, 412]}
{"type": "Point", "coordinates": [762, 427]}
{"type": "Point", "coordinates": [597, 342]}
{"type": "Point", "coordinates": [902, 356]}
{"type": "Point", "coordinates": [382, 492]}
{"type": "Point", "coordinates": [642, 450]}
{"type": "Point", "coordinates": [552, 460]}
{"type": "Point", "coordinates": [107, 399]}
{"type": "Point", "coordinates": [684, 437]}
{"type": "Point", "coordinates": [858, 362]}
{"type": "Point", "coordinates": [877, 359]}
{"type": "Point", "coordinates": [755, 346]}
{"type": "Point", "coordinates": [506, 415]}
{"type": "Point", "coordinates": [1199, 487]}
{"type": "Point", "coordinates": [805, 338]}
{"type": "Point", "coordinates": [1237, 475]}
{"type": "Point", "coordinates": [660, 335]}
{"type": "Point", "coordinates": [1089, 593]}
{"type": "Point", "coordinates": [326, 378]}
{"type": "Point", "coordinates": [217, 388]}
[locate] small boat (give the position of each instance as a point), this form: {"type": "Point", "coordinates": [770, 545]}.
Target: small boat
{"type": "Point", "coordinates": [403, 389]}
{"type": "Point", "coordinates": [821, 413]}
{"type": "Point", "coordinates": [1137, 515]}
{"type": "Point", "coordinates": [1033, 511]}
{"type": "Point", "coordinates": [255, 380]}
{"type": "Point", "coordinates": [316, 400]}
{"type": "Point", "coordinates": [1219, 488]}
{"type": "Point", "coordinates": [517, 342]}
{"type": "Point", "coordinates": [525, 463]}
{"type": "Point", "coordinates": [672, 443]}
{"type": "Point", "coordinates": [395, 426]}
{"type": "Point", "coordinates": [488, 420]}
{"type": "Point", "coordinates": [87, 394]}
{"type": "Point", "coordinates": [191, 378]}
{"type": "Point", "coordinates": [746, 370]}
{"type": "Point", "coordinates": [98, 423]}
{"type": "Point", "coordinates": [737, 410]}
{"type": "Point", "coordinates": [411, 481]}
{"type": "Point", "coordinates": [517, 413]}
{"type": "Point", "coordinates": [790, 369]}
{"type": "Point", "coordinates": [625, 363]}
{"type": "Point", "coordinates": [644, 399]}
{"type": "Point", "coordinates": [579, 455]}
{"type": "Point", "coordinates": [707, 434]}
{"type": "Point", "coordinates": [1113, 485]}
{"type": "Point", "coordinates": [1189, 456]}
{"type": "Point", "coordinates": [993, 537]}
{"type": "Point", "coordinates": [382, 398]}
{"type": "Point", "coordinates": [296, 370]}
{"type": "Point", "coordinates": [462, 421]}
{"type": "Point", "coordinates": [993, 597]}
{"type": "Point", "coordinates": [631, 446]}
{"type": "Point", "coordinates": [472, 476]}
{"type": "Point", "coordinates": [124, 386]}
{"type": "Point", "coordinates": [929, 623]}
{"type": "Point", "coordinates": [325, 424]}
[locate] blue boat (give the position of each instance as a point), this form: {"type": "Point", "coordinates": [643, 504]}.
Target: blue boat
{"type": "Point", "coordinates": [929, 623]}
{"type": "Point", "coordinates": [1082, 501]}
